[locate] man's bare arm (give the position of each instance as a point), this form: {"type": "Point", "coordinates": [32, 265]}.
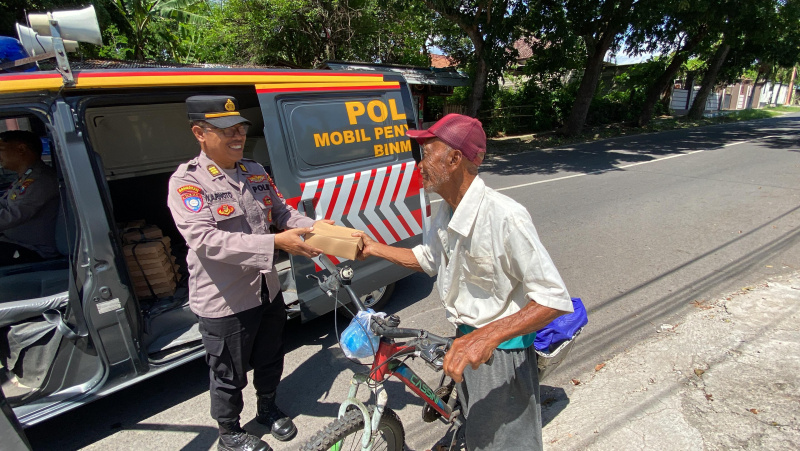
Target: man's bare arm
{"type": "Point", "coordinates": [397, 255]}
{"type": "Point", "coordinates": [477, 346]}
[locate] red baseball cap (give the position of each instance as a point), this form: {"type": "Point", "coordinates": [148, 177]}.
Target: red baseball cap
{"type": "Point", "coordinates": [460, 132]}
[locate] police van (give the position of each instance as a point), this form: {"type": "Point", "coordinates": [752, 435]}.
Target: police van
{"type": "Point", "coordinates": [84, 324]}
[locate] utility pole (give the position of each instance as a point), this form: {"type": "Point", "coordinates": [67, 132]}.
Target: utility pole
{"type": "Point", "coordinates": [791, 87]}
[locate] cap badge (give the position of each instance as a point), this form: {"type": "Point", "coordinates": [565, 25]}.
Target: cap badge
{"type": "Point", "coordinates": [229, 106]}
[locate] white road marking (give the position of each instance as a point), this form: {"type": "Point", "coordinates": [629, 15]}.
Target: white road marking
{"type": "Point", "coordinates": [523, 185]}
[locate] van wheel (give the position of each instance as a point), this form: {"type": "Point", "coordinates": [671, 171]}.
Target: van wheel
{"type": "Point", "coordinates": [376, 300]}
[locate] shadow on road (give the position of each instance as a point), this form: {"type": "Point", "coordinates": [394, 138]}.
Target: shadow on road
{"type": "Point", "coordinates": [611, 153]}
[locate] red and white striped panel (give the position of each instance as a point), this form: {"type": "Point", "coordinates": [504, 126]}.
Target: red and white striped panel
{"type": "Point", "coordinates": [385, 202]}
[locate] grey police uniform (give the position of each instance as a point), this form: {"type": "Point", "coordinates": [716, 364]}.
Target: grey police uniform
{"type": "Point", "coordinates": [28, 211]}
{"type": "Point", "coordinates": [233, 285]}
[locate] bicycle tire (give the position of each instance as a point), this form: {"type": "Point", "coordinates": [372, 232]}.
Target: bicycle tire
{"type": "Point", "coordinates": [349, 429]}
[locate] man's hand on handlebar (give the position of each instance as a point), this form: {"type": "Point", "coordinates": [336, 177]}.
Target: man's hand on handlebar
{"type": "Point", "coordinates": [472, 349]}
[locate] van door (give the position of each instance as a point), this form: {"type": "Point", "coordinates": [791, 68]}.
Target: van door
{"type": "Point", "coordinates": [338, 151]}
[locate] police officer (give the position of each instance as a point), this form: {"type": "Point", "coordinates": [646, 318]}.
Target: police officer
{"type": "Point", "coordinates": [28, 209]}
{"type": "Point", "coordinates": [223, 205]}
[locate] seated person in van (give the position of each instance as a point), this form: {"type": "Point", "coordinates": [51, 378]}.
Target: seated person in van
{"type": "Point", "coordinates": [28, 209]}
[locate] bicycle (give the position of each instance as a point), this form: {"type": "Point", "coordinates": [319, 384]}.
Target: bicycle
{"type": "Point", "coordinates": [377, 423]}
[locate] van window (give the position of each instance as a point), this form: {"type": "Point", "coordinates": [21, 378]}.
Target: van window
{"type": "Point", "coordinates": [331, 130]}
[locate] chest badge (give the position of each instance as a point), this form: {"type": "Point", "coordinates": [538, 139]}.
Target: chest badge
{"type": "Point", "coordinates": [226, 210]}
{"type": "Point", "coordinates": [213, 170]}
{"type": "Point", "coordinates": [192, 197]}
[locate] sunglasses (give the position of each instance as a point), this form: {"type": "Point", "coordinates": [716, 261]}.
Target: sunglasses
{"type": "Point", "coordinates": [229, 132]}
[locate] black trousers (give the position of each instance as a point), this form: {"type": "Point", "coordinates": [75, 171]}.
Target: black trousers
{"type": "Point", "coordinates": [25, 255]}
{"type": "Point", "coordinates": [252, 339]}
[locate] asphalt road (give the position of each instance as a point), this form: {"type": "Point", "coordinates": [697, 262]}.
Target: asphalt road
{"type": "Point", "coordinates": [640, 228]}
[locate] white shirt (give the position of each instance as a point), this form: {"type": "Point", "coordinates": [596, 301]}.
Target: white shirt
{"type": "Point", "coordinates": [489, 259]}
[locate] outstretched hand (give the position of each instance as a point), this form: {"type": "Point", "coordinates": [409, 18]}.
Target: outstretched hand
{"type": "Point", "coordinates": [472, 349]}
{"type": "Point", "coordinates": [292, 242]}
{"type": "Point", "coordinates": [369, 245]}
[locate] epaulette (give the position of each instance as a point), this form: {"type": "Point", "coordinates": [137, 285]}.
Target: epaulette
{"type": "Point", "coordinates": [183, 167]}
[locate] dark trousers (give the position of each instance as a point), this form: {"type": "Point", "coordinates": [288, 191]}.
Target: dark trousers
{"type": "Point", "coordinates": [252, 339]}
{"type": "Point", "coordinates": [24, 255]}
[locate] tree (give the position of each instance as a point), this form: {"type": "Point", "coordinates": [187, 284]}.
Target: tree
{"type": "Point", "coordinates": [750, 31]}
{"type": "Point", "coordinates": [492, 27]}
{"type": "Point", "coordinates": [590, 28]}
{"type": "Point", "coordinates": [675, 28]}
{"type": "Point", "coordinates": [141, 15]}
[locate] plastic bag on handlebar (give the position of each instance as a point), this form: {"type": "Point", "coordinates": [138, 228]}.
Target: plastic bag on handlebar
{"type": "Point", "coordinates": [358, 340]}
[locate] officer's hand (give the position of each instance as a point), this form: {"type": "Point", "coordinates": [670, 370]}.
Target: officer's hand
{"type": "Point", "coordinates": [291, 242]}
{"type": "Point", "coordinates": [369, 245]}
{"type": "Point", "coordinates": [472, 349]}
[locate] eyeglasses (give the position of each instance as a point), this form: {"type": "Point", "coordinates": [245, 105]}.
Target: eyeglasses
{"type": "Point", "coordinates": [229, 132]}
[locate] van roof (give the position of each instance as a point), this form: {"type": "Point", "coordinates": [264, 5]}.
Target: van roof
{"type": "Point", "coordinates": [265, 80]}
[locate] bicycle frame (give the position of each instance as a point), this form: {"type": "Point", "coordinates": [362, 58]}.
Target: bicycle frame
{"type": "Point", "coordinates": [385, 365]}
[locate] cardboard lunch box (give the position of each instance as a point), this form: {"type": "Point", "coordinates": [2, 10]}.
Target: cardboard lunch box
{"type": "Point", "coordinates": [335, 240]}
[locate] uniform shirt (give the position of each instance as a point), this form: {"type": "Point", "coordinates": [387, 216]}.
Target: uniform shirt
{"type": "Point", "coordinates": [225, 223]}
{"type": "Point", "coordinates": [28, 211]}
{"type": "Point", "coordinates": [489, 259]}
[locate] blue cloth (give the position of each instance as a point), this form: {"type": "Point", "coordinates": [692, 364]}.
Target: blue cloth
{"type": "Point", "coordinates": [562, 328]}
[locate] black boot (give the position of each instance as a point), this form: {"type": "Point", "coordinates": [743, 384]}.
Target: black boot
{"type": "Point", "coordinates": [268, 414]}
{"type": "Point", "coordinates": [233, 438]}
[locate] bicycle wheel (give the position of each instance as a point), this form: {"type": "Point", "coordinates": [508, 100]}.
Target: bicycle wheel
{"type": "Point", "coordinates": [345, 433]}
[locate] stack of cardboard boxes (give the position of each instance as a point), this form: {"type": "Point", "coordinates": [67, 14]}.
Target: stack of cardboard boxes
{"type": "Point", "coordinates": [148, 254]}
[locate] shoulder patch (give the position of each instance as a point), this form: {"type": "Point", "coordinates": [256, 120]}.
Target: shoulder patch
{"type": "Point", "coordinates": [192, 197]}
{"type": "Point", "coordinates": [274, 187]}
{"type": "Point", "coordinates": [256, 178]}
{"type": "Point", "coordinates": [24, 185]}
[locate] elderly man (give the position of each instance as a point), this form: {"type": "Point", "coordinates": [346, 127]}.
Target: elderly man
{"type": "Point", "coordinates": [29, 208]}
{"type": "Point", "coordinates": [223, 205]}
{"type": "Point", "coordinates": [496, 281]}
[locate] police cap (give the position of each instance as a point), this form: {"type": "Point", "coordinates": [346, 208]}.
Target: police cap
{"type": "Point", "coordinates": [219, 111]}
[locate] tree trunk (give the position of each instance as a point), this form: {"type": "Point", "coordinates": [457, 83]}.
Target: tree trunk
{"type": "Point", "coordinates": [616, 19]}
{"type": "Point", "coordinates": [709, 79]}
{"type": "Point", "coordinates": [478, 88]}
{"type": "Point", "coordinates": [589, 82]}
{"type": "Point", "coordinates": [656, 90]}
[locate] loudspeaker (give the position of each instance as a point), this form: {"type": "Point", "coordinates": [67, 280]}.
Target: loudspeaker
{"type": "Point", "coordinates": [36, 44]}
{"type": "Point", "coordinates": [78, 25]}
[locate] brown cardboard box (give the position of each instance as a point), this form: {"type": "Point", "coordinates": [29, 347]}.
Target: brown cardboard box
{"type": "Point", "coordinates": [134, 235]}
{"type": "Point", "coordinates": [335, 240]}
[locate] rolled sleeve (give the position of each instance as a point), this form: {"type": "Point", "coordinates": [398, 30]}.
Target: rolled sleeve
{"type": "Point", "coordinates": [531, 264]}
{"type": "Point", "coordinates": [425, 258]}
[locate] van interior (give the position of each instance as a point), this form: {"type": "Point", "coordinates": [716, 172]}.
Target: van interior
{"type": "Point", "coordinates": [137, 142]}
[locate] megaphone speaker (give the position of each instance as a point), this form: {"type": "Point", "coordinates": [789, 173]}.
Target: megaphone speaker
{"type": "Point", "coordinates": [77, 25]}
{"type": "Point", "coordinates": [35, 44]}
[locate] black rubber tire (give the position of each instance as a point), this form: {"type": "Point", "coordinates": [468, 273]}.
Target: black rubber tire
{"type": "Point", "coordinates": [350, 428]}
{"type": "Point", "coordinates": [378, 306]}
